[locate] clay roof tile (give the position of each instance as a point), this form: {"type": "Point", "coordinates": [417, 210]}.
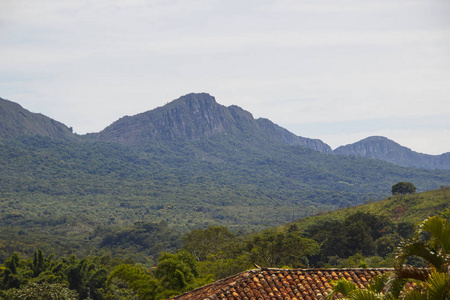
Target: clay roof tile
{"type": "Point", "coordinates": [300, 284]}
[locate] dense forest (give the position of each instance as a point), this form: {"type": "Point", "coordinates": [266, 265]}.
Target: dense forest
{"type": "Point", "coordinates": [67, 195]}
{"type": "Point", "coordinates": [350, 237]}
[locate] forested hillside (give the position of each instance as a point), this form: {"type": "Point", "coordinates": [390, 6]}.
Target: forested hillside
{"type": "Point", "coordinates": [204, 165]}
{"type": "Point", "coordinates": [371, 232]}
{"type": "Point", "coordinates": [366, 236]}
{"type": "Point", "coordinates": [72, 189]}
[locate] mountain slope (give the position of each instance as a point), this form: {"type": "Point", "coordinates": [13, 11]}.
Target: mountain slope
{"type": "Point", "coordinates": [410, 208]}
{"type": "Point", "coordinates": [192, 163]}
{"type": "Point", "coordinates": [16, 121]}
{"type": "Point", "coordinates": [381, 148]}
{"type": "Point", "coordinates": [197, 116]}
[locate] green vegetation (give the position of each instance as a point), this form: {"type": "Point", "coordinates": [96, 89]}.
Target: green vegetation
{"type": "Point", "coordinates": [65, 196]}
{"type": "Point", "coordinates": [198, 206]}
{"type": "Point", "coordinates": [16, 121]}
{"type": "Point", "coordinates": [83, 277]}
{"type": "Point", "coordinates": [201, 256]}
{"type": "Point", "coordinates": [71, 278]}
{"type": "Point", "coordinates": [403, 188]}
{"type": "Point", "coordinates": [368, 235]}
{"type": "Point", "coordinates": [213, 253]}
{"type": "Point", "coordinates": [136, 278]}
{"type": "Point", "coordinates": [359, 236]}
{"type": "Point", "coordinates": [403, 210]}
{"type": "Point", "coordinates": [41, 291]}
{"type": "Point", "coordinates": [221, 253]}
{"type": "Point", "coordinates": [431, 243]}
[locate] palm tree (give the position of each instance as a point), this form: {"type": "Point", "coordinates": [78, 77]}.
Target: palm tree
{"type": "Point", "coordinates": [431, 242]}
{"type": "Point", "coordinates": [350, 291]}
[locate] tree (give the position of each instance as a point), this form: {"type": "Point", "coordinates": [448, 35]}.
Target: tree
{"type": "Point", "coordinates": [376, 290]}
{"type": "Point", "coordinates": [403, 188]}
{"type": "Point", "coordinates": [137, 279]}
{"type": "Point", "coordinates": [176, 271]}
{"type": "Point", "coordinates": [12, 277]}
{"type": "Point", "coordinates": [212, 240]}
{"type": "Point", "coordinates": [43, 291]}
{"type": "Point", "coordinates": [431, 242]}
{"type": "Point", "coordinates": [358, 233]}
{"type": "Point", "coordinates": [272, 248]}
{"type": "Point", "coordinates": [85, 278]}
{"type": "Point", "coordinates": [358, 239]}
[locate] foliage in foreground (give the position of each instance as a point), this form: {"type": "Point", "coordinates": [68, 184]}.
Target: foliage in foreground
{"type": "Point", "coordinates": [206, 255]}
{"type": "Point", "coordinates": [216, 252]}
{"type": "Point", "coordinates": [431, 242]}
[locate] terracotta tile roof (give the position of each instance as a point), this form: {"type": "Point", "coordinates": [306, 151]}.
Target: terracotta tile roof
{"type": "Point", "coordinates": [295, 284]}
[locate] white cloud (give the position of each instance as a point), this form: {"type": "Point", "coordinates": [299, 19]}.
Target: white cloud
{"type": "Point", "coordinates": [88, 63]}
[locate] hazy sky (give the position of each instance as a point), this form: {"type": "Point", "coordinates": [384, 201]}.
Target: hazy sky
{"type": "Point", "coordinates": [335, 70]}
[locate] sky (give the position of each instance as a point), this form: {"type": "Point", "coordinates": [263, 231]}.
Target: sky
{"type": "Point", "coordinates": [336, 70]}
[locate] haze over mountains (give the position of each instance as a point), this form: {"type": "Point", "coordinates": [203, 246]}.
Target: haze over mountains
{"type": "Point", "coordinates": [196, 116]}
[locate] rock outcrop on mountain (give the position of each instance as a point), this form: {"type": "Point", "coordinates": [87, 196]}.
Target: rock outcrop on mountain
{"type": "Point", "coordinates": [197, 116]}
{"type": "Point", "coordinates": [381, 148]}
{"type": "Point", "coordinates": [15, 121]}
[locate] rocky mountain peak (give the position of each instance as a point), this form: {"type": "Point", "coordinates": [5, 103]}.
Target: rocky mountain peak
{"type": "Point", "coordinates": [196, 116]}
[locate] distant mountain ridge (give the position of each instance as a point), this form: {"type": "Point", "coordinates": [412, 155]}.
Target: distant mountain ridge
{"type": "Point", "coordinates": [16, 121]}
{"type": "Point", "coordinates": [382, 148]}
{"type": "Point", "coordinates": [196, 116]}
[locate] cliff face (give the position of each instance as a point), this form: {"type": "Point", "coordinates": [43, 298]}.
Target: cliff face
{"type": "Point", "coordinates": [192, 116]}
{"type": "Point", "coordinates": [384, 149]}
{"type": "Point", "coordinates": [196, 116]}
{"type": "Point", "coordinates": [16, 121]}
{"type": "Point", "coordinates": [287, 137]}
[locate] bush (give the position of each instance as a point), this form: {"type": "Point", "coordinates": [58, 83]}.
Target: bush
{"type": "Point", "coordinates": [43, 291]}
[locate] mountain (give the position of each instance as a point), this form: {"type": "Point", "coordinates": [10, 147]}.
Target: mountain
{"type": "Point", "coordinates": [197, 116]}
{"type": "Point", "coordinates": [192, 163]}
{"type": "Point", "coordinates": [15, 121]}
{"type": "Point", "coordinates": [381, 148]}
